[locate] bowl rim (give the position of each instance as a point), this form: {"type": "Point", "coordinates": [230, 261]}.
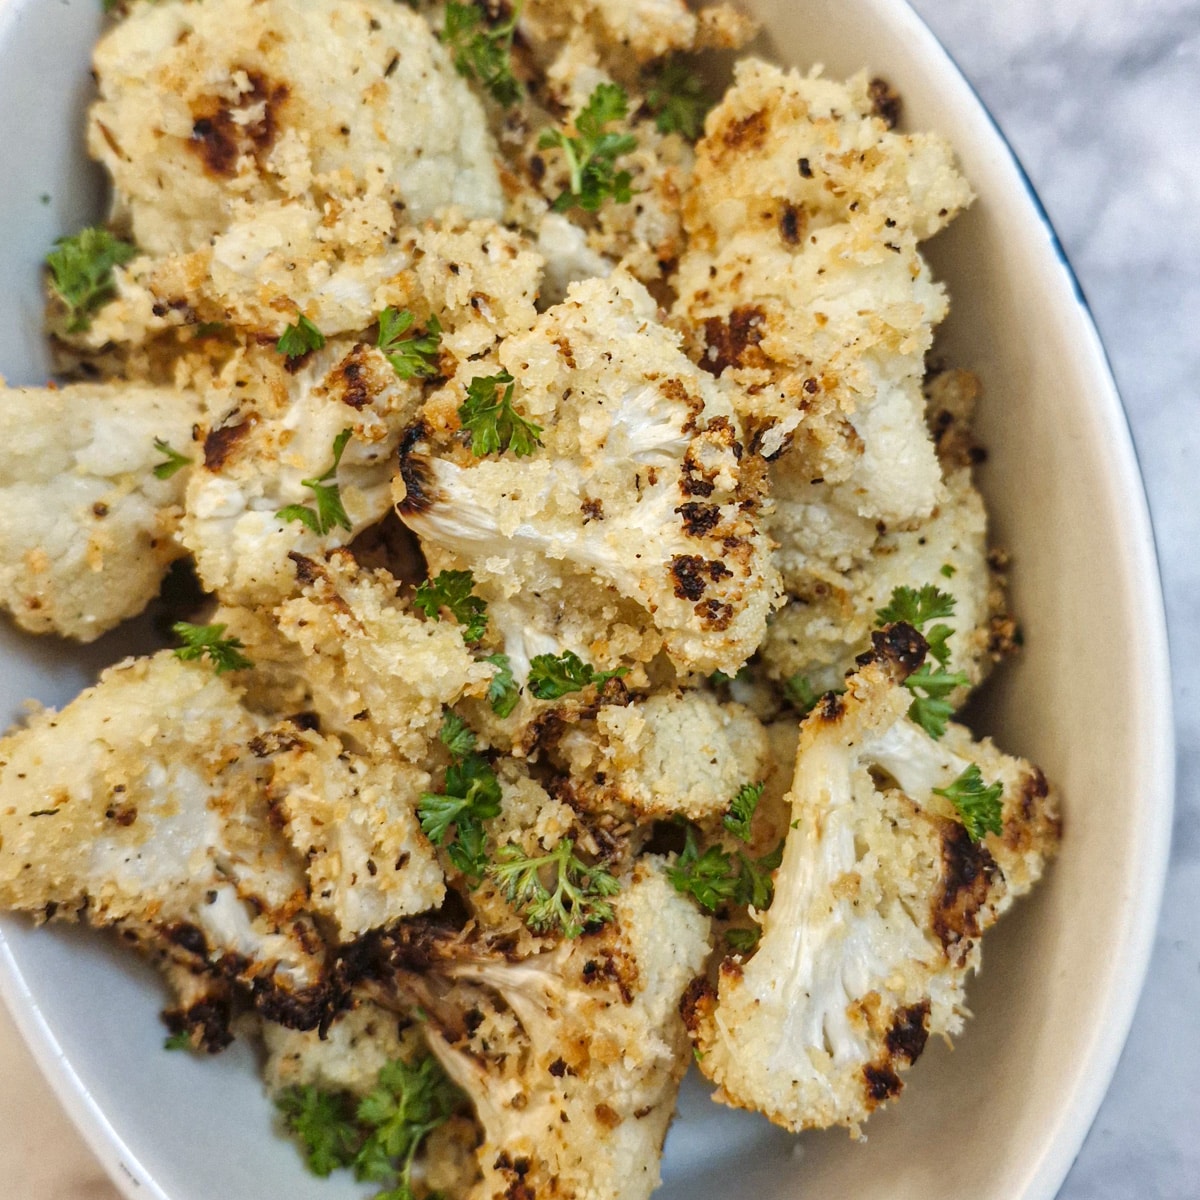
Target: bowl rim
{"type": "Point", "coordinates": [1151, 707]}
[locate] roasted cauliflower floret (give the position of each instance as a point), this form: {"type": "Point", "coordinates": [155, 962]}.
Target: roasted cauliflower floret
{"type": "Point", "coordinates": [632, 526]}
{"type": "Point", "coordinates": [571, 1057]}
{"type": "Point", "coordinates": [675, 753]}
{"type": "Point", "coordinates": [142, 805]}
{"type": "Point", "coordinates": [89, 529]}
{"type": "Point", "coordinates": [803, 284]}
{"type": "Point", "coordinates": [880, 901]}
{"type": "Point", "coordinates": [276, 448]}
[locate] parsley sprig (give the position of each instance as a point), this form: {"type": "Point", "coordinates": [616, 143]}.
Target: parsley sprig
{"type": "Point", "coordinates": [592, 153]}
{"type": "Point", "coordinates": [81, 272]}
{"type": "Point", "coordinates": [411, 357]}
{"type": "Point", "coordinates": [483, 52]}
{"type": "Point", "coordinates": [495, 426]}
{"type": "Point", "coordinates": [978, 806]}
{"type": "Point", "coordinates": [678, 99]}
{"type": "Point", "coordinates": [300, 339]}
{"type": "Point", "coordinates": [174, 460]}
{"type": "Point", "coordinates": [930, 686]}
{"type": "Point", "coordinates": [801, 694]}
{"type": "Point", "coordinates": [329, 510]}
{"type": "Point", "coordinates": [208, 641]}
{"type": "Point", "coordinates": [452, 591]}
{"type": "Point", "coordinates": [716, 878]}
{"type": "Point", "coordinates": [503, 691]}
{"type": "Point", "coordinates": [552, 676]}
{"type": "Point", "coordinates": [742, 809]}
{"type": "Point", "coordinates": [380, 1135]}
{"type": "Point", "coordinates": [577, 900]}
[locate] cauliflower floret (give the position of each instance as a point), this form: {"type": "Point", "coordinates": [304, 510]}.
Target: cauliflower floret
{"type": "Point", "coordinates": [879, 905]}
{"type": "Point", "coordinates": [821, 630]}
{"type": "Point", "coordinates": [635, 526]}
{"type": "Point", "coordinates": [88, 528]}
{"type": "Point", "coordinates": [354, 822]}
{"type": "Point", "coordinates": [142, 805]}
{"type": "Point", "coordinates": [272, 426]}
{"type": "Point", "coordinates": [350, 108]}
{"type": "Point", "coordinates": [802, 281]}
{"type": "Point", "coordinates": [573, 1074]}
{"type": "Point", "coordinates": [675, 753]}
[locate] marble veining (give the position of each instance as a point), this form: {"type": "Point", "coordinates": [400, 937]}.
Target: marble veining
{"type": "Point", "coordinates": [1100, 99]}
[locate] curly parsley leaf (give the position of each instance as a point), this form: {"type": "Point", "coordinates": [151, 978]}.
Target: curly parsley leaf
{"type": "Point", "coordinates": [503, 692]}
{"type": "Point", "coordinates": [978, 806]}
{"type": "Point", "coordinates": [300, 339]}
{"type": "Point", "coordinates": [741, 810]}
{"type": "Point", "coordinates": [324, 1124]}
{"type": "Point", "coordinates": [930, 708]}
{"type": "Point", "coordinates": [200, 641]}
{"type": "Point", "coordinates": [554, 675]}
{"type": "Point", "coordinates": [577, 900]}
{"type": "Point", "coordinates": [175, 461]}
{"type": "Point", "coordinates": [411, 357]}
{"type": "Point", "coordinates": [451, 590]}
{"type": "Point", "coordinates": [916, 608]}
{"type": "Point", "coordinates": [592, 153]}
{"type": "Point", "coordinates": [743, 940]}
{"type": "Point", "coordinates": [456, 735]}
{"type": "Point", "coordinates": [677, 98]}
{"type": "Point", "coordinates": [81, 272]}
{"type": "Point", "coordinates": [470, 796]}
{"type": "Point", "coordinates": [755, 885]}
{"type": "Point", "coordinates": [328, 496]}
{"type": "Point", "coordinates": [483, 52]}
{"type": "Point", "coordinates": [709, 878]}
{"type": "Point", "coordinates": [495, 426]}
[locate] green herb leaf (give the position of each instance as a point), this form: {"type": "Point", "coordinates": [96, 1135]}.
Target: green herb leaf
{"type": "Point", "coordinates": [554, 675]}
{"type": "Point", "coordinates": [948, 570]}
{"type": "Point", "coordinates": [175, 461]}
{"type": "Point", "coordinates": [755, 885]}
{"type": "Point", "coordinates": [456, 735]}
{"type": "Point", "coordinates": [324, 1123]}
{"type": "Point", "coordinates": [503, 692]}
{"type": "Point", "coordinates": [412, 356]}
{"type": "Point", "coordinates": [300, 339]}
{"type": "Point", "coordinates": [592, 153]}
{"type": "Point", "coordinates": [329, 510]}
{"type": "Point", "coordinates": [802, 696]}
{"type": "Point", "coordinates": [81, 272]}
{"type": "Point", "coordinates": [709, 878]}
{"type": "Point", "coordinates": [678, 99]}
{"type": "Point", "coordinates": [181, 1039]}
{"type": "Point", "coordinates": [743, 940]}
{"type": "Point", "coordinates": [495, 426]}
{"type": "Point", "coordinates": [201, 641]}
{"type": "Point", "coordinates": [451, 590]}
{"type": "Point", "coordinates": [470, 796]}
{"type": "Point", "coordinates": [978, 806]}
{"type": "Point", "coordinates": [577, 900]}
{"type": "Point", "coordinates": [930, 708]}
{"type": "Point", "coordinates": [916, 608]}
{"type": "Point", "coordinates": [483, 52]}
{"type": "Point", "coordinates": [741, 810]}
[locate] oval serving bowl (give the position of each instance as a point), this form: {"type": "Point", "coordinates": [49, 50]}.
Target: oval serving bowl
{"type": "Point", "coordinates": [1004, 1115]}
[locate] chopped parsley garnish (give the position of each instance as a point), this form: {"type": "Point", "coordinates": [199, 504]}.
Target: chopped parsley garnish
{"type": "Point", "coordinates": [181, 1039]}
{"type": "Point", "coordinates": [743, 940]}
{"type": "Point", "coordinates": [470, 796]}
{"type": "Point", "coordinates": [482, 52]}
{"type": "Point", "coordinates": [978, 807]}
{"type": "Point", "coordinates": [456, 735]}
{"type": "Point", "coordinates": [930, 708]}
{"type": "Point", "coordinates": [300, 339]}
{"type": "Point", "coordinates": [329, 510]}
{"type": "Point", "coordinates": [175, 461]}
{"type": "Point", "coordinates": [554, 675]}
{"type": "Point", "coordinates": [677, 97]}
{"type": "Point", "coordinates": [578, 899]}
{"type": "Point", "coordinates": [410, 356]}
{"type": "Point", "coordinates": [495, 426]}
{"type": "Point", "coordinates": [592, 153]}
{"type": "Point", "coordinates": [741, 810]}
{"type": "Point", "coordinates": [802, 696]}
{"type": "Point", "coordinates": [451, 590]}
{"type": "Point", "coordinates": [948, 571]}
{"type": "Point", "coordinates": [81, 270]}
{"type": "Point", "coordinates": [503, 692]}
{"type": "Point", "coordinates": [378, 1136]}
{"type": "Point", "coordinates": [200, 641]}
{"type": "Point", "coordinates": [715, 878]}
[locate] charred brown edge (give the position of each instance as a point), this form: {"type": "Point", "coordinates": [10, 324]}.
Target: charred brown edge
{"type": "Point", "coordinates": [909, 1032]}
{"type": "Point", "coordinates": [898, 647]}
{"type": "Point", "coordinates": [220, 443]}
{"type": "Point", "coordinates": [414, 470]}
{"type": "Point", "coordinates": [968, 873]}
{"type": "Point", "coordinates": [697, 999]}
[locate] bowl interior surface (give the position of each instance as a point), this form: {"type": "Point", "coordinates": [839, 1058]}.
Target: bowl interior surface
{"type": "Point", "coordinates": [1001, 1117]}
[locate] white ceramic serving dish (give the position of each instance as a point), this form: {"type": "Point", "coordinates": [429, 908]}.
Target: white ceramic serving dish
{"type": "Point", "coordinates": [1004, 1115]}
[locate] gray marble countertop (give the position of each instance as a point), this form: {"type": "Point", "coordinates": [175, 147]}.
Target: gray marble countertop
{"type": "Point", "coordinates": [1100, 100]}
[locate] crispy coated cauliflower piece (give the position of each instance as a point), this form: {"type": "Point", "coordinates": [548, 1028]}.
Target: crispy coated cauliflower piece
{"type": "Point", "coordinates": [633, 527]}
{"type": "Point", "coordinates": [142, 805]}
{"type": "Point", "coordinates": [572, 1057]}
{"type": "Point", "coordinates": [802, 281]}
{"type": "Point", "coordinates": [879, 905]}
{"type": "Point", "coordinates": [272, 431]}
{"type": "Point", "coordinates": [344, 109]}
{"type": "Point", "coordinates": [88, 530]}
{"type": "Point", "coordinates": [675, 753]}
